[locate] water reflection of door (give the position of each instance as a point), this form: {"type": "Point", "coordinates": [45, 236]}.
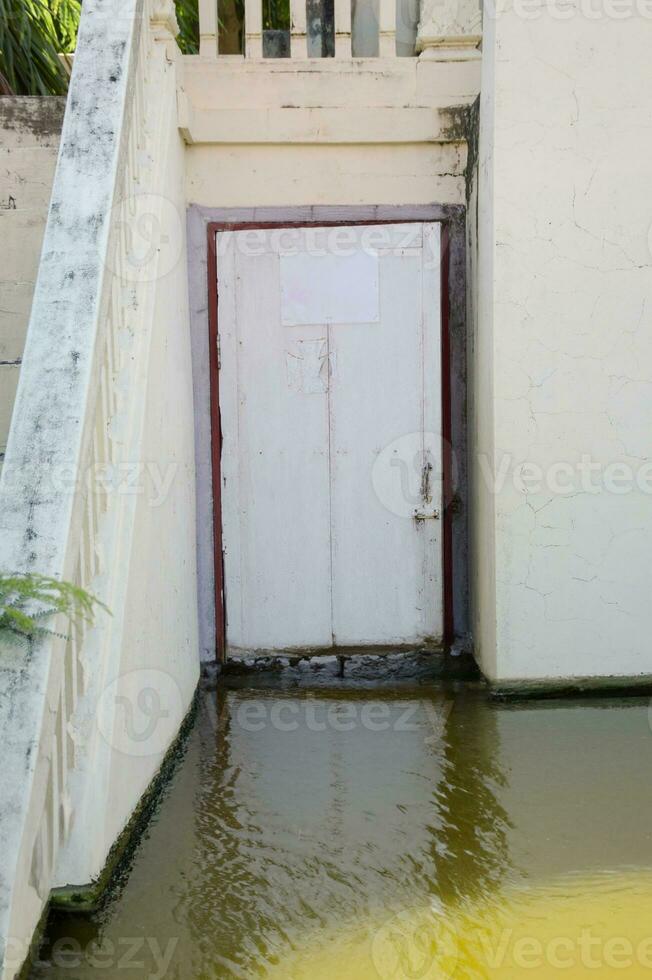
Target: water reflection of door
{"type": "Point", "coordinates": [330, 405]}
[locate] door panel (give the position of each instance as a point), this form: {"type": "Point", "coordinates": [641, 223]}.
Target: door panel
{"type": "Point", "coordinates": [383, 587]}
{"type": "Point", "coordinates": [331, 436]}
{"type": "Point", "coordinates": [276, 517]}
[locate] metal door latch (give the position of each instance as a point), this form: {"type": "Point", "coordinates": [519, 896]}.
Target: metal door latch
{"type": "Point", "coordinates": [426, 517]}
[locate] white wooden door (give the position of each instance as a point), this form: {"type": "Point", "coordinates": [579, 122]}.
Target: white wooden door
{"type": "Point", "coordinates": [330, 402]}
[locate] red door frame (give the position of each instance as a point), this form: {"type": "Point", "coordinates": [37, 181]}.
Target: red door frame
{"type": "Point", "coordinates": [213, 228]}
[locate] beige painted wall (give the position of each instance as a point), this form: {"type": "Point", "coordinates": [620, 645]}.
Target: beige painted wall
{"type": "Point", "coordinates": [160, 633]}
{"type": "Point", "coordinates": [29, 129]}
{"type": "Point", "coordinates": [324, 132]}
{"type": "Point", "coordinates": [262, 175]}
{"type": "Point", "coordinates": [563, 347]}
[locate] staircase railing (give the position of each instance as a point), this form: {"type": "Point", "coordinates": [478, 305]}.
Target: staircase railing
{"type": "Point", "coordinates": [77, 418]}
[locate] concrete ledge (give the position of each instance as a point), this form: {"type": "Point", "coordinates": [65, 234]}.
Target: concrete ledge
{"type": "Point", "coordinates": [558, 687]}
{"type": "Point", "coordinates": [289, 124]}
{"type": "Point", "coordinates": [235, 83]}
{"type": "Point", "coordinates": [31, 120]}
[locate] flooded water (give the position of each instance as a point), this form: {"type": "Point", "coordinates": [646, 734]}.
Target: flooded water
{"type": "Point", "coordinates": [398, 832]}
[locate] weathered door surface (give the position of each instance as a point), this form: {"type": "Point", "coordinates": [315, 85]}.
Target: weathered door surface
{"type": "Point", "coordinates": [330, 402]}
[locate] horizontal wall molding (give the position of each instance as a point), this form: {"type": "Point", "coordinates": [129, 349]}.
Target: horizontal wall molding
{"type": "Point", "coordinates": [364, 101]}
{"type": "Point", "coordinates": [317, 125]}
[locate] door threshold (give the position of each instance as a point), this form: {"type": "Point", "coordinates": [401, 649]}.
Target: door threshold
{"type": "Point", "coordinates": [338, 665]}
{"type": "Point", "coordinates": [294, 655]}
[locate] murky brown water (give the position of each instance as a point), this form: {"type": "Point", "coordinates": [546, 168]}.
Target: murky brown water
{"type": "Point", "coordinates": [386, 833]}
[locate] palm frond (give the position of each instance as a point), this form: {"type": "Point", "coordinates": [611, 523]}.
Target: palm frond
{"type": "Point", "coordinates": [65, 16]}
{"type": "Point", "coordinates": [33, 33]}
{"type": "Point", "coordinates": [30, 45]}
{"type": "Point", "coordinates": [188, 19]}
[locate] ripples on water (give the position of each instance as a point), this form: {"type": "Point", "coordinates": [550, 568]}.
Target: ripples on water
{"type": "Point", "coordinates": [405, 833]}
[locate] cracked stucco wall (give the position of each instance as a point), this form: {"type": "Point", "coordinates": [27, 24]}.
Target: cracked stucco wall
{"type": "Point", "coordinates": [30, 129]}
{"type": "Point", "coordinates": [563, 348]}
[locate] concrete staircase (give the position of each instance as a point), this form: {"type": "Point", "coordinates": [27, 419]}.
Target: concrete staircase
{"type": "Point", "coordinates": [30, 129]}
{"type": "Point", "coordinates": [108, 340]}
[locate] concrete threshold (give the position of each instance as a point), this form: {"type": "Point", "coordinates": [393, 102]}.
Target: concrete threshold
{"type": "Point", "coordinates": [341, 666]}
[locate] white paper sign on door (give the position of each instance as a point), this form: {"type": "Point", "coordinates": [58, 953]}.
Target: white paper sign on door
{"type": "Point", "coordinates": [318, 289]}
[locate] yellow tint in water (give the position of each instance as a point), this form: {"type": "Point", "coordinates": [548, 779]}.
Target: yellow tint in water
{"type": "Point", "coordinates": [574, 927]}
